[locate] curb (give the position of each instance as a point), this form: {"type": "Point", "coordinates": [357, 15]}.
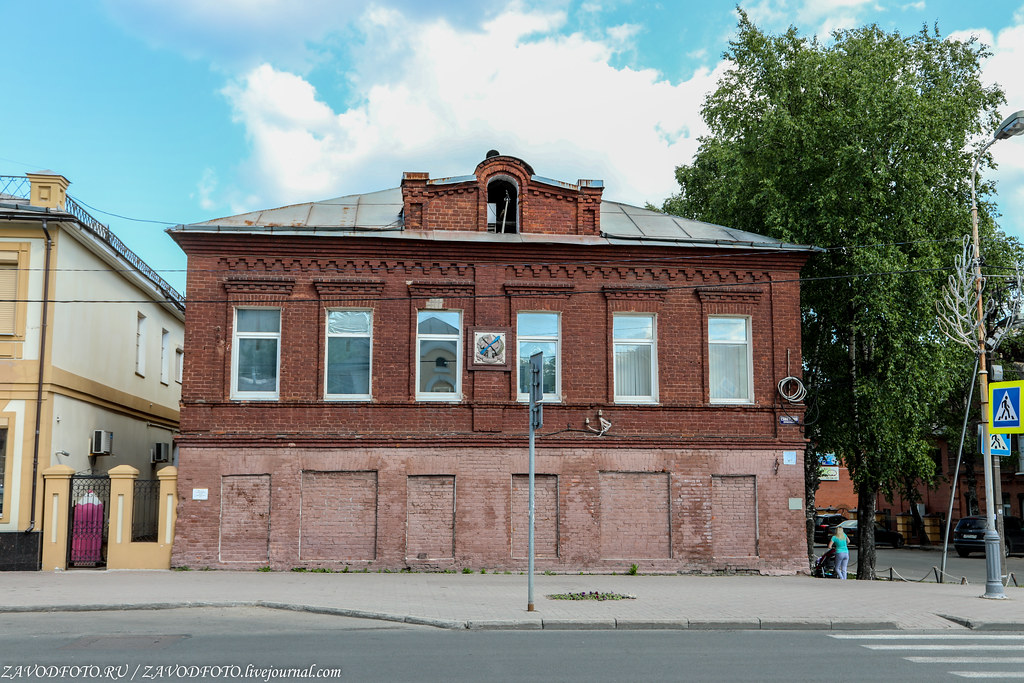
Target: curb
{"type": "Point", "coordinates": [559, 624]}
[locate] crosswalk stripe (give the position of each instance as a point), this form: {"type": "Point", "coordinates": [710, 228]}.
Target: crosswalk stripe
{"type": "Point", "coordinates": [987, 675]}
{"type": "Point", "coordinates": [1001, 647]}
{"type": "Point", "coordinates": [919, 636]}
{"type": "Point", "coordinates": [966, 660]}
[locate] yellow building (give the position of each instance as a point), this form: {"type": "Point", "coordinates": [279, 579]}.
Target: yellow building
{"type": "Point", "coordinates": [90, 355]}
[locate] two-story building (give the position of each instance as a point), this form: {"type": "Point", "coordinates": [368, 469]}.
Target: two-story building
{"type": "Point", "coordinates": [355, 392]}
{"type": "Point", "coordinates": [91, 344]}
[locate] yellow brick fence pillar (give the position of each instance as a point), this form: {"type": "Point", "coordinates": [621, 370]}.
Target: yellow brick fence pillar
{"type": "Point", "coordinates": [122, 506]}
{"type": "Point", "coordinates": [168, 513]}
{"type": "Point", "coordinates": [56, 511]}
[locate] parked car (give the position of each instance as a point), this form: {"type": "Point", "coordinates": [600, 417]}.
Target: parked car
{"type": "Point", "coordinates": [969, 535]}
{"type": "Point", "coordinates": [882, 535]}
{"type": "Point", "coordinates": [822, 524]}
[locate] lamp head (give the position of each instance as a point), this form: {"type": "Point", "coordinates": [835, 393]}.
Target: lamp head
{"type": "Point", "coordinates": [1013, 125]}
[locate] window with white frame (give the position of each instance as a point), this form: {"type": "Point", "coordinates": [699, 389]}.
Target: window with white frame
{"type": "Point", "coordinates": [729, 360]}
{"type": "Point", "coordinates": [179, 364]}
{"type": "Point", "coordinates": [256, 353]}
{"type": "Point", "coordinates": [538, 332]}
{"type": "Point", "coordinates": [165, 357]}
{"type": "Point", "coordinates": [439, 355]}
{"type": "Point", "coordinates": [349, 346]}
{"type": "Point", "coordinates": [636, 358]}
{"type": "Point", "coordinates": [140, 345]}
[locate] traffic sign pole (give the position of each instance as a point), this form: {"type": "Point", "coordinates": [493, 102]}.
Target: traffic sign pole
{"type": "Point", "coordinates": [536, 421]}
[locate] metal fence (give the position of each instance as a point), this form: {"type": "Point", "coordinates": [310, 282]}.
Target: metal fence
{"type": "Point", "coordinates": [146, 510]}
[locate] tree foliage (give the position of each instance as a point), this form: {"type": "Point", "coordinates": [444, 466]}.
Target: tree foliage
{"type": "Point", "coordinates": [864, 146]}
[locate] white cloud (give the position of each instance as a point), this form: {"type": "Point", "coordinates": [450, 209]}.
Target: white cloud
{"type": "Point", "coordinates": [235, 34]}
{"type": "Point", "coordinates": [206, 188]}
{"type": "Point", "coordinates": [443, 95]}
{"type": "Point", "coordinates": [812, 17]}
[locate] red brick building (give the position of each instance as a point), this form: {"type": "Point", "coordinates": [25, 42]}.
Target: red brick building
{"type": "Point", "coordinates": [353, 393]}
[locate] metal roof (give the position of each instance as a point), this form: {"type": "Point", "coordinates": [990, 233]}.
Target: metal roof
{"type": "Point", "coordinates": [381, 212]}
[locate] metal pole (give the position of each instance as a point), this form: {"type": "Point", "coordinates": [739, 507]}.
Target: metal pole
{"type": "Point", "coordinates": [956, 472]}
{"type": "Point", "coordinates": [993, 575]}
{"type": "Point", "coordinates": [529, 562]}
{"type": "Point", "coordinates": [536, 421]}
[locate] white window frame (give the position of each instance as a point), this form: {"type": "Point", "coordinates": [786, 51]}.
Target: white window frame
{"type": "Point", "coordinates": [179, 364]}
{"type": "Point", "coordinates": [165, 356]}
{"type": "Point", "coordinates": [652, 342]}
{"type": "Point", "coordinates": [540, 338]}
{"type": "Point", "coordinates": [235, 336]}
{"type": "Point", "coordinates": [140, 345]}
{"type": "Point", "coordinates": [446, 397]}
{"type": "Point", "coordinates": [327, 337]}
{"type": "Point", "coordinates": [749, 357]}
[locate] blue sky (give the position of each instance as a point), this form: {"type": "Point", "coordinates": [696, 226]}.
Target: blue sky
{"type": "Point", "coordinates": [186, 110]}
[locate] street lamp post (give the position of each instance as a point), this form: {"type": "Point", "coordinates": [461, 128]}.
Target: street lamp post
{"type": "Point", "coordinates": [1014, 125]}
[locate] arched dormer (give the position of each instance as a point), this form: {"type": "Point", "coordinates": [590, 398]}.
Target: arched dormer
{"type": "Point", "coordinates": [502, 204]}
{"type": "Point", "coordinates": [503, 195]}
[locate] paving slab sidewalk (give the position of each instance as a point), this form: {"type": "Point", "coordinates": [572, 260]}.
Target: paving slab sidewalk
{"type": "Point", "coordinates": [499, 601]}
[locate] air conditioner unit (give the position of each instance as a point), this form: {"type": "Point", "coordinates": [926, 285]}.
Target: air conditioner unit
{"type": "Point", "coordinates": [102, 442]}
{"type": "Point", "coordinates": [161, 453]}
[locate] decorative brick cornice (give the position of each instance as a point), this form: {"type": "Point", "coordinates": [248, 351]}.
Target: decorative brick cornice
{"type": "Point", "coordinates": [558, 290]}
{"type": "Point", "coordinates": [353, 287]}
{"type": "Point", "coordinates": [635, 292]}
{"type": "Point", "coordinates": [276, 287]}
{"type": "Point", "coordinates": [432, 289]}
{"type": "Point", "coordinates": [729, 295]}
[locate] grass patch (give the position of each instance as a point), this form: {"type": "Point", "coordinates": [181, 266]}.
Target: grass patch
{"type": "Point", "coordinates": [592, 595]}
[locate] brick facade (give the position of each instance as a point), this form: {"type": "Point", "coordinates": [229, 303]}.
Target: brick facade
{"type": "Point", "coordinates": [677, 484]}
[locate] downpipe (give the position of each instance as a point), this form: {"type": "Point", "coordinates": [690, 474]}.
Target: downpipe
{"type": "Point", "coordinates": [39, 383]}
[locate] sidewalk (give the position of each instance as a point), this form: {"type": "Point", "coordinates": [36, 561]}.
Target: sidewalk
{"type": "Point", "coordinates": [498, 601]}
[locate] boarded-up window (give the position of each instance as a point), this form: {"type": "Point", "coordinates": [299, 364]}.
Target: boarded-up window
{"type": "Point", "coordinates": [245, 518]}
{"type": "Point", "coordinates": [430, 531]}
{"type": "Point", "coordinates": [545, 517]}
{"type": "Point", "coordinates": [338, 516]}
{"type": "Point", "coordinates": [8, 292]}
{"type": "Point", "coordinates": [635, 516]}
{"type": "Point", "coordinates": [734, 516]}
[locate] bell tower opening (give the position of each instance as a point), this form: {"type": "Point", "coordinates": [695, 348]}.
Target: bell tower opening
{"type": "Point", "coordinates": [502, 205]}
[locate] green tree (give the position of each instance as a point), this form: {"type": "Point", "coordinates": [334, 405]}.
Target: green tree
{"type": "Point", "coordinates": [862, 145]}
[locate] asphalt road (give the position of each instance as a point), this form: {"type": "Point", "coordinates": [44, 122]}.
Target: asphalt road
{"type": "Point", "coordinates": [264, 644]}
{"type": "Point", "coordinates": [915, 564]}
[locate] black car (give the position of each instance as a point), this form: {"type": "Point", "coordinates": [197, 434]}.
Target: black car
{"type": "Point", "coordinates": [822, 523]}
{"type": "Point", "coordinates": [969, 535]}
{"type": "Point", "coordinates": [882, 535]}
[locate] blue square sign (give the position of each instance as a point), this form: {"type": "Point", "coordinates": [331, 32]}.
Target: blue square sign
{"type": "Point", "coordinates": [1004, 407]}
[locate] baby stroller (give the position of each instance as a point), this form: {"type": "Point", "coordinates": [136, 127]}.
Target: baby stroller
{"type": "Point", "coordinates": [825, 566]}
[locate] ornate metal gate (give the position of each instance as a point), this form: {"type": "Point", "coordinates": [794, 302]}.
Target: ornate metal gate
{"type": "Point", "coordinates": [89, 519]}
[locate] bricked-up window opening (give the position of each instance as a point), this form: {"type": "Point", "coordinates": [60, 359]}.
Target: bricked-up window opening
{"type": "Point", "coordinates": [3, 465]}
{"type": "Point", "coordinates": [636, 358]}
{"type": "Point", "coordinates": [439, 356]}
{"type": "Point", "coordinates": [729, 360]}
{"type": "Point", "coordinates": [502, 206]}
{"type": "Point", "coordinates": [538, 333]}
{"type": "Point", "coordinates": [256, 353]}
{"type": "Point", "coordinates": [140, 345]}
{"type": "Point", "coordinates": [349, 347]}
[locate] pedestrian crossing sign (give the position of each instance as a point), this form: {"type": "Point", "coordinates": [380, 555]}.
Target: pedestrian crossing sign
{"type": "Point", "coordinates": [1004, 407]}
{"type": "Point", "coordinates": [998, 444]}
